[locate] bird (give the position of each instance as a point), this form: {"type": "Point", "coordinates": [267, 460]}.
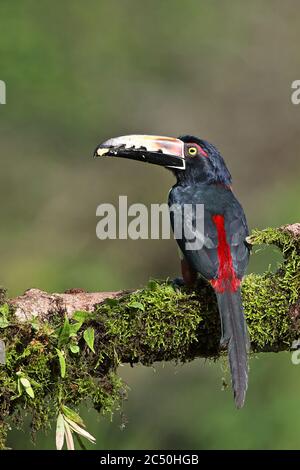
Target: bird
{"type": "Point", "coordinates": [202, 178]}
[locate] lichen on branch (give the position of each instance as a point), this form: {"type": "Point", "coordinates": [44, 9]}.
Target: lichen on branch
{"type": "Point", "coordinates": [64, 349]}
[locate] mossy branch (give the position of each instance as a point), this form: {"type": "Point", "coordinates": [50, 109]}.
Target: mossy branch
{"type": "Point", "coordinates": [68, 346]}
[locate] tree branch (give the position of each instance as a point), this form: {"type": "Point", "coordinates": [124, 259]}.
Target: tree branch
{"type": "Point", "coordinates": [271, 302]}
{"type": "Point", "coordinates": [38, 303]}
{"type": "Point", "coordinates": [68, 346]}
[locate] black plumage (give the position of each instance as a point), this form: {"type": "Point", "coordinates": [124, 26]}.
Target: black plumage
{"type": "Point", "coordinates": [222, 256]}
{"type": "Point", "coordinates": [207, 181]}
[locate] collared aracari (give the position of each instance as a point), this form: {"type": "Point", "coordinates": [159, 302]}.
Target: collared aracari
{"type": "Point", "coordinates": [203, 178]}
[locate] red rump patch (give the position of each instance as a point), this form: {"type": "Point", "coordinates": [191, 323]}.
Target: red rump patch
{"type": "Point", "coordinates": [227, 279]}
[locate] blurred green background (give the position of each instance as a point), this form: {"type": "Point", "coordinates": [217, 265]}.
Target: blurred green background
{"type": "Point", "coordinates": [78, 72]}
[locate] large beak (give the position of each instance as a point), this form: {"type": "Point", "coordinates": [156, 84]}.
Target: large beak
{"type": "Point", "coordinates": [165, 151]}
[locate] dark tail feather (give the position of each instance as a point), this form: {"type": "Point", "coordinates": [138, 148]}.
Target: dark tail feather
{"type": "Point", "coordinates": [235, 337]}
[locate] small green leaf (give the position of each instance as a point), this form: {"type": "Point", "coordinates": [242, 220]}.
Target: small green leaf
{"type": "Point", "coordinates": [80, 431]}
{"type": "Point", "coordinates": [25, 382]}
{"type": "Point", "coordinates": [64, 333]}
{"type": "Point", "coordinates": [60, 432]}
{"type": "Point", "coordinates": [89, 336]}
{"type": "Point", "coordinates": [4, 310]}
{"type": "Point", "coordinates": [81, 316]}
{"type": "Point", "coordinates": [27, 386]}
{"type": "Point", "coordinates": [72, 415]}
{"type": "Point", "coordinates": [3, 322]}
{"type": "Point", "coordinates": [137, 305]}
{"type": "Point", "coordinates": [74, 327]}
{"type": "Point", "coordinates": [69, 437]}
{"type": "Point", "coordinates": [29, 392]}
{"type": "Point", "coordinates": [74, 348]}
{"type": "Point", "coordinates": [19, 386]}
{"type": "Point", "coordinates": [35, 324]}
{"type": "Point", "coordinates": [62, 362]}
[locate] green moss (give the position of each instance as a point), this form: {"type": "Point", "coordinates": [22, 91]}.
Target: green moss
{"type": "Point", "coordinates": [269, 298]}
{"type": "Point", "coordinates": [156, 323]}
{"type": "Point", "coordinates": [31, 353]}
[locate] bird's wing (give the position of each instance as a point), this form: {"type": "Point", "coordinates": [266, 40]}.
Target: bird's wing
{"type": "Point", "coordinates": [237, 232]}
{"type": "Point", "coordinates": [205, 260]}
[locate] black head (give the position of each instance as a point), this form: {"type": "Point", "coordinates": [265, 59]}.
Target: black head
{"type": "Point", "coordinates": [203, 162]}
{"type": "Point", "coordinates": [191, 159]}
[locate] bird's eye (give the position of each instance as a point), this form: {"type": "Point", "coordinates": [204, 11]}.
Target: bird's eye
{"type": "Point", "coordinates": [193, 151]}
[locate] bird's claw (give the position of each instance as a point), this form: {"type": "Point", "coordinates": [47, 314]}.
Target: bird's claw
{"type": "Point", "coordinates": [178, 282]}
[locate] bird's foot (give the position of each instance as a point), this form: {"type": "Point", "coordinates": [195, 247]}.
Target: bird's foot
{"type": "Point", "coordinates": [178, 282]}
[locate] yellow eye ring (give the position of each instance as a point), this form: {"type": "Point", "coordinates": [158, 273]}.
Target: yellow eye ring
{"type": "Point", "coordinates": [192, 151]}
